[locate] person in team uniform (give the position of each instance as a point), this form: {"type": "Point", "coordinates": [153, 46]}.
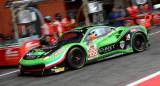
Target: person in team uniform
{"type": "Point", "coordinates": [48, 31]}
{"type": "Point", "coordinates": [68, 23]}
{"type": "Point", "coordinates": [58, 25]}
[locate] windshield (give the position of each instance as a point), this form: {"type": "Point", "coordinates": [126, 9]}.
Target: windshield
{"type": "Point", "coordinates": [70, 37]}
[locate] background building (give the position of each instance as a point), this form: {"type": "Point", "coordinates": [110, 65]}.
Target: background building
{"type": "Point", "coordinates": [73, 8]}
{"type": "Point", "coordinates": [49, 7]}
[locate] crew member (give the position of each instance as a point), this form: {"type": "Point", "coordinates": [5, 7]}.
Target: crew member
{"type": "Point", "coordinates": [133, 11]}
{"type": "Point", "coordinates": [68, 23]}
{"type": "Point", "coordinates": [58, 25]}
{"type": "Point", "coordinates": [48, 32]}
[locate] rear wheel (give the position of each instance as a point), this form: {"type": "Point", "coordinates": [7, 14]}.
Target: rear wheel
{"type": "Point", "coordinates": [76, 58]}
{"type": "Point", "coordinates": [139, 42]}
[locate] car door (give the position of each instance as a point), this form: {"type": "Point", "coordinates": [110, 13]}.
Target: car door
{"type": "Point", "coordinates": [93, 39]}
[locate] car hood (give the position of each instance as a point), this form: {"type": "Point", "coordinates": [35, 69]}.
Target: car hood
{"type": "Point", "coordinates": [48, 56]}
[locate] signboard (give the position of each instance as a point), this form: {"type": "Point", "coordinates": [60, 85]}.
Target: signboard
{"type": "Point", "coordinates": [26, 16]}
{"type": "Point", "coordinates": [141, 1]}
{"type": "Point", "coordinates": [94, 7]}
{"type": "Point", "coordinates": [11, 52]}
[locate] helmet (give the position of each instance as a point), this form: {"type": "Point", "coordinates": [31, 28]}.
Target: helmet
{"type": "Point", "coordinates": [48, 19]}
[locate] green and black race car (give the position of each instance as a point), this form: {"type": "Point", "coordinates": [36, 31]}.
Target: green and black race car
{"type": "Point", "coordinates": [83, 45]}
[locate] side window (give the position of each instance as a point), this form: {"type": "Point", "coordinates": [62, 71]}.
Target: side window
{"type": "Point", "coordinates": [27, 30]}
{"type": "Point", "coordinates": [98, 32]}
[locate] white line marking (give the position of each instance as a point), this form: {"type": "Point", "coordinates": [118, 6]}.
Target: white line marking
{"type": "Point", "coordinates": [144, 79]}
{"type": "Point", "coordinates": [154, 33]}
{"type": "Point", "coordinates": [9, 73]}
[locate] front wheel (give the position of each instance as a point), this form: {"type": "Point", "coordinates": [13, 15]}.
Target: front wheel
{"type": "Point", "coordinates": [76, 58]}
{"type": "Point", "coordinates": [139, 42]}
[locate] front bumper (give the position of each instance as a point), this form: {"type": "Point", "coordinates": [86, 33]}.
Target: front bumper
{"type": "Point", "coordinates": [41, 69]}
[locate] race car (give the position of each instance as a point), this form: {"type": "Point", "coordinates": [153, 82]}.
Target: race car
{"type": "Point", "coordinates": [84, 45]}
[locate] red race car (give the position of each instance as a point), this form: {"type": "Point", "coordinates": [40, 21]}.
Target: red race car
{"type": "Point", "coordinates": [11, 51]}
{"type": "Point", "coordinates": [25, 33]}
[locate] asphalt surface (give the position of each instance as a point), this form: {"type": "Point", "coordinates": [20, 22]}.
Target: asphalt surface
{"type": "Point", "coordinates": [119, 71]}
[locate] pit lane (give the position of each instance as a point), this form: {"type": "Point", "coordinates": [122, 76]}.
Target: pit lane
{"type": "Point", "coordinates": [113, 72]}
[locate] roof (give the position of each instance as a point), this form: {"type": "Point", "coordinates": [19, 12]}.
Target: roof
{"type": "Point", "coordinates": [82, 29]}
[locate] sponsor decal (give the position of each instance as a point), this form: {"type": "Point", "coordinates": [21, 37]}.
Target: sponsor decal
{"type": "Point", "coordinates": [11, 52]}
{"type": "Point", "coordinates": [107, 48]}
{"type": "Point", "coordinates": [157, 16]}
{"type": "Point", "coordinates": [57, 70]}
{"type": "Point", "coordinates": [122, 44]}
{"type": "Point", "coordinates": [30, 56]}
{"type": "Point", "coordinates": [92, 52]}
{"type": "Point", "coordinates": [31, 45]}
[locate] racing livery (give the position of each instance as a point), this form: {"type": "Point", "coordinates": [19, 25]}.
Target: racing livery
{"type": "Point", "coordinates": [83, 45]}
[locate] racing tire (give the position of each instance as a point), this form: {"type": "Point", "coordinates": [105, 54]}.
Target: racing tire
{"type": "Point", "coordinates": [139, 42]}
{"type": "Point", "coordinates": [76, 58]}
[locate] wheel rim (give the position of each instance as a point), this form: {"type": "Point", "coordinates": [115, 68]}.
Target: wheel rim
{"type": "Point", "coordinates": [76, 58]}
